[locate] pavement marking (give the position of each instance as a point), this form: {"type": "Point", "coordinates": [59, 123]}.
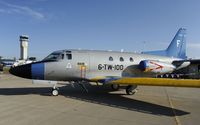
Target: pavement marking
{"type": "Point", "coordinates": [178, 122]}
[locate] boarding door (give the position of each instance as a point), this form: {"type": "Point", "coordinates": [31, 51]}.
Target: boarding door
{"type": "Point", "coordinates": [83, 63]}
{"type": "Point", "coordinates": [83, 71]}
{"type": "Point", "coordinates": [68, 64]}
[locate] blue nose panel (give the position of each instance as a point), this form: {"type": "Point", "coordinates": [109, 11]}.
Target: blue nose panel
{"type": "Point", "coordinates": [37, 71]}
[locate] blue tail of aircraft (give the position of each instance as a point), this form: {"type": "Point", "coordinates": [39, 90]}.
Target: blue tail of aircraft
{"type": "Point", "coordinates": [177, 47]}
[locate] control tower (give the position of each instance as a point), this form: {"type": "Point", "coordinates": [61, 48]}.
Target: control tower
{"type": "Point", "coordinates": [23, 47]}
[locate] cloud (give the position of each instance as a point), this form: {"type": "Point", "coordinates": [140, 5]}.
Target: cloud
{"type": "Point", "coordinates": [12, 8]}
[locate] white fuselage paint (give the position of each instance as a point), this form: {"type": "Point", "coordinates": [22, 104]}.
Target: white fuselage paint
{"type": "Point", "coordinates": [89, 64]}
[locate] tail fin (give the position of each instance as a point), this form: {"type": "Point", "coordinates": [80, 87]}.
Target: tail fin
{"type": "Point", "coordinates": [177, 47]}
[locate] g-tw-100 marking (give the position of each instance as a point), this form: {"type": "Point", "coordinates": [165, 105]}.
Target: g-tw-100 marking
{"type": "Point", "coordinates": [110, 67]}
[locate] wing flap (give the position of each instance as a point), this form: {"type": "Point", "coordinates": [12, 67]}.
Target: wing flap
{"type": "Point", "coordinates": [105, 80]}
{"type": "Point", "coordinates": [159, 82]}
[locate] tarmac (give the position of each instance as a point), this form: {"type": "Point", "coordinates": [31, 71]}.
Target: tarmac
{"type": "Point", "coordinates": [24, 103]}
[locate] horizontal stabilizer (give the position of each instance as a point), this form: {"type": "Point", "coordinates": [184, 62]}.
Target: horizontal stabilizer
{"type": "Point", "coordinates": [156, 52]}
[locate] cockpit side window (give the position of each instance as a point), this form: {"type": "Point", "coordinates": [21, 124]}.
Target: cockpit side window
{"type": "Point", "coordinates": [69, 56]}
{"type": "Point", "coordinates": [58, 55]}
{"type": "Point", "coordinates": [52, 57]}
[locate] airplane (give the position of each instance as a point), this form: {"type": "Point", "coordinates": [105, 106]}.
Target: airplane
{"type": "Point", "coordinates": [111, 67]}
{"type": "Point", "coordinates": [7, 62]}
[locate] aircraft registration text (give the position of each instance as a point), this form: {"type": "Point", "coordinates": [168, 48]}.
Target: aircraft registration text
{"type": "Point", "coordinates": [110, 67]}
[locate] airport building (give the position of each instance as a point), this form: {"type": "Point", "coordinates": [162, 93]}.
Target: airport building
{"type": "Point", "coordinates": [24, 58]}
{"type": "Point", "coordinates": [23, 47]}
{"type": "Point", "coordinates": [6, 63]}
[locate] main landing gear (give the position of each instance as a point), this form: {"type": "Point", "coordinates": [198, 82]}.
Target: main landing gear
{"type": "Point", "coordinates": [115, 87]}
{"type": "Point", "coordinates": [55, 89]}
{"type": "Point", "coordinates": [131, 89]}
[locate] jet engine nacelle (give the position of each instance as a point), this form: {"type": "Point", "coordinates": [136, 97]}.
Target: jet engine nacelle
{"type": "Point", "coordinates": [157, 67]}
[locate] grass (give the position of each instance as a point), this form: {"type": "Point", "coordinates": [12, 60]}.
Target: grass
{"type": "Point", "coordinates": [6, 70]}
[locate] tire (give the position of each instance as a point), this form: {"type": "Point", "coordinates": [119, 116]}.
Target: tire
{"type": "Point", "coordinates": [130, 90]}
{"type": "Point", "coordinates": [55, 92]}
{"type": "Point", "coordinates": [115, 87]}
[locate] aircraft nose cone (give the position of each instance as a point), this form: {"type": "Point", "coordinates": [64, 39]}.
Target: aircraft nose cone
{"type": "Point", "coordinates": [23, 71]}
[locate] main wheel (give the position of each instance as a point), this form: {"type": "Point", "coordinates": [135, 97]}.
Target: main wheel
{"type": "Point", "coordinates": [130, 90]}
{"type": "Point", "coordinates": [165, 76]}
{"type": "Point", "coordinates": [55, 92]}
{"type": "Point", "coordinates": [115, 87]}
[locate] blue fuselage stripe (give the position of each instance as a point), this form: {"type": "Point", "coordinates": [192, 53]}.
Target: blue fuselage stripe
{"type": "Point", "coordinates": [37, 71]}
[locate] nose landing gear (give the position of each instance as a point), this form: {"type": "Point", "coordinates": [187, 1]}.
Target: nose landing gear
{"type": "Point", "coordinates": [55, 91]}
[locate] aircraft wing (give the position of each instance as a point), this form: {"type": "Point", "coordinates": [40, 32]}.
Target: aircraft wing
{"type": "Point", "coordinates": [154, 82]}
{"type": "Point", "coordinates": [159, 82]}
{"type": "Point", "coordinates": [104, 80]}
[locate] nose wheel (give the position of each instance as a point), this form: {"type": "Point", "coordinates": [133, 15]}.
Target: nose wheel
{"type": "Point", "coordinates": [55, 91]}
{"type": "Point", "coordinates": [130, 89]}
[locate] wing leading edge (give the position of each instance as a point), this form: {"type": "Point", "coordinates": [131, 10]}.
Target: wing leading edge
{"type": "Point", "coordinates": [159, 82]}
{"type": "Point", "coordinates": [149, 81]}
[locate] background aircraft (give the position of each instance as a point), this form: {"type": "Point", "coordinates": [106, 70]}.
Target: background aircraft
{"type": "Point", "coordinates": [7, 62]}
{"type": "Point", "coordinates": [130, 69]}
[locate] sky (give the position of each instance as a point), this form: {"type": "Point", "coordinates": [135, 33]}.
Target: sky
{"type": "Point", "coordinates": [131, 25]}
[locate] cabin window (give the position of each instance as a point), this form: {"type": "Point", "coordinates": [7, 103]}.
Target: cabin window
{"type": "Point", "coordinates": [110, 58]}
{"type": "Point", "coordinates": [131, 59]}
{"type": "Point", "coordinates": [69, 56]}
{"type": "Point", "coordinates": [121, 59]}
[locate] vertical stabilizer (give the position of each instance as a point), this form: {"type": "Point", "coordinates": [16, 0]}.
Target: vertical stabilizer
{"type": "Point", "coordinates": [177, 47]}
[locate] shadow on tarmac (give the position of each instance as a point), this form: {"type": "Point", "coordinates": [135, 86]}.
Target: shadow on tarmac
{"type": "Point", "coordinates": [99, 95]}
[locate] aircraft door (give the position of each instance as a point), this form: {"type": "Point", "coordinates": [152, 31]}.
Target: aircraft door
{"type": "Point", "coordinates": [82, 60]}
{"type": "Point", "coordinates": [83, 71]}
{"type": "Point", "coordinates": [68, 63]}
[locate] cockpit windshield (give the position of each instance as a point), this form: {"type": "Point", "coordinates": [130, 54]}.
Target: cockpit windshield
{"type": "Point", "coordinates": [53, 56]}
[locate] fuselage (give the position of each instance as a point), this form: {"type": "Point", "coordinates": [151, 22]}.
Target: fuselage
{"type": "Point", "coordinates": [72, 65]}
